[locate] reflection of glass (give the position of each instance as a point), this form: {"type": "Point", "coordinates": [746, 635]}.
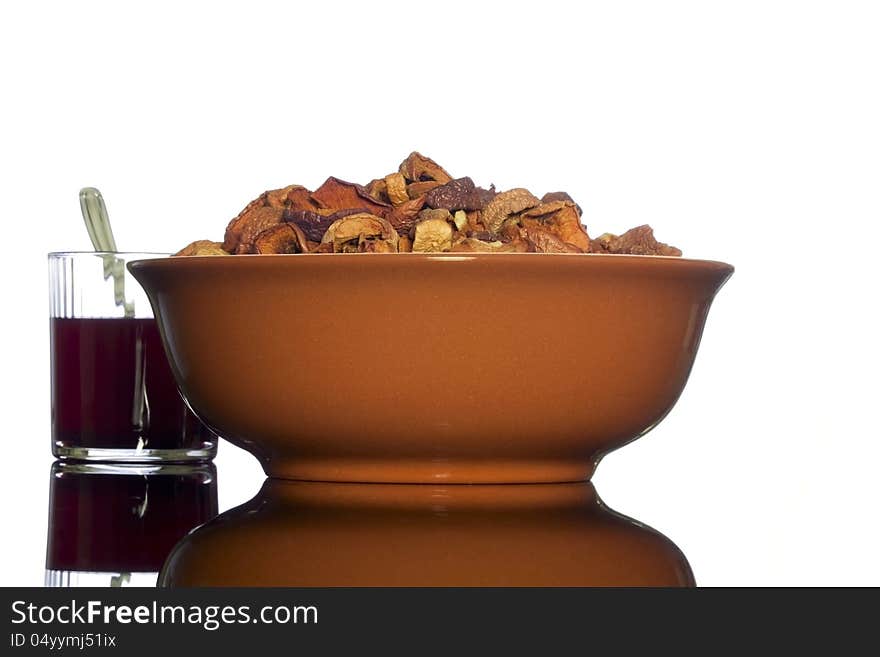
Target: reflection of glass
{"type": "Point", "coordinates": [114, 397]}
{"type": "Point", "coordinates": [114, 525]}
{"type": "Point", "coordinates": [329, 534]}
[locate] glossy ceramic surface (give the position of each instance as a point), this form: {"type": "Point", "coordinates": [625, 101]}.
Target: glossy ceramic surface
{"type": "Point", "coordinates": [413, 368]}
{"type": "Point", "coordinates": [330, 534]}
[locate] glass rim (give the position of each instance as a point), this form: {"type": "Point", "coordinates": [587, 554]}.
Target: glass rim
{"type": "Point", "coordinates": [66, 254]}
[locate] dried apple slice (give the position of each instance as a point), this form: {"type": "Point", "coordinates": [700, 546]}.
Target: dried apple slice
{"type": "Point", "coordinates": [550, 197]}
{"type": "Point", "coordinates": [279, 198]}
{"type": "Point", "coordinates": [475, 222]}
{"type": "Point", "coordinates": [336, 194]}
{"type": "Point", "coordinates": [432, 236]}
{"type": "Point", "coordinates": [416, 189]}
{"type": "Point", "coordinates": [506, 204]}
{"type": "Point", "coordinates": [282, 238]}
{"type": "Point", "coordinates": [242, 230]}
{"type": "Point", "coordinates": [562, 219]}
{"type": "Point", "coordinates": [404, 216]}
{"type": "Point", "coordinates": [378, 190]}
{"type": "Point", "coordinates": [546, 242]}
{"type": "Point", "coordinates": [353, 234]}
{"type": "Point", "coordinates": [637, 241]}
{"type": "Point", "coordinates": [232, 236]}
{"type": "Point", "coordinates": [418, 168]}
{"type": "Point", "coordinates": [395, 187]}
{"type": "Point", "coordinates": [202, 248]}
{"type": "Point", "coordinates": [314, 225]}
{"type": "Point", "coordinates": [460, 219]}
{"type": "Point", "coordinates": [300, 198]}
{"type": "Point", "coordinates": [373, 245]}
{"type": "Point", "coordinates": [433, 232]}
{"type": "Point", "coordinates": [261, 213]}
{"type": "Point", "coordinates": [602, 243]}
{"type": "Point", "coordinates": [474, 245]}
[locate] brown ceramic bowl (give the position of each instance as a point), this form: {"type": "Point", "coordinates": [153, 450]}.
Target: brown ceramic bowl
{"type": "Point", "coordinates": [486, 368]}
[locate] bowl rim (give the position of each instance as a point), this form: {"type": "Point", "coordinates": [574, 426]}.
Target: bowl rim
{"type": "Point", "coordinates": [649, 261]}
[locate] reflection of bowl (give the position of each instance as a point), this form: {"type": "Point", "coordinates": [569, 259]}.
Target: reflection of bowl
{"type": "Point", "coordinates": [336, 534]}
{"type": "Point", "coordinates": [414, 368]}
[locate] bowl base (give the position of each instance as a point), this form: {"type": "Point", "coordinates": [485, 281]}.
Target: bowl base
{"type": "Point", "coordinates": [422, 471]}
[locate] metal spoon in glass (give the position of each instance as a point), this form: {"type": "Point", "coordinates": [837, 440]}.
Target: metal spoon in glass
{"type": "Point", "coordinates": [94, 212]}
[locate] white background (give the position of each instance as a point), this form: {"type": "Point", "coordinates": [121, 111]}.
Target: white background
{"type": "Point", "coordinates": [742, 131]}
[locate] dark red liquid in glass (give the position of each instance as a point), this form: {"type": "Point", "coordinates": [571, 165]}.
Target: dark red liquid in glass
{"type": "Point", "coordinates": [124, 522]}
{"type": "Point", "coordinates": [112, 388]}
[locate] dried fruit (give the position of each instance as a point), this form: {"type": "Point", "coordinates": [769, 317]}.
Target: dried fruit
{"type": "Point", "coordinates": [278, 198]}
{"type": "Point", "coordinates": [460, 194]}
{"type": "Point", "coordinates": [357, 233]}
{"type": "Point", "coordinates": [416, 189]}
{"type": "Point", "coordinates": [416, 167]}
{"type": "Point", "coordinates": [546, 242]}
{"type": "Point", "coordinates": [483, 196]}
{"type": "Point", "coordinates": [242, 230]}
{"type": "Point", "coordinates": [202, 248]}
{"type": "Point", "coordinates": [517, 245]}
{"type": "Point", "coordinates": [395, 188]}
{"type": "Point", "coordinates": [337, 194]}
{"type": "Point", "coordinates": [476, 245]}
{"type": "Point", "coordinates": [370, 245]}
{"type": "Point", "coordinates": [433, 232]}
{"type": "Point", "coordinates": [506, 204]}
{"type": "Point", "coordinates": [509, 229]}
{"type": "Point", "coordinates": [378, 190]}
{"type": "Point", "coordinates": [404, 216]}
{"type": "Point", "coordinates": [562, 219]}
{"type": "Point", "coordinates": [232, 235]}
{"type": "Point", "coordinates": [315, 225]}
{"type": "Point", "coordinates": [431, 213]}
{"type": "Point", "coordinates": [486, 236]}
{"type": "Point", "coordinates": [299, 198]}
{"type": "Point", "coordinates": [454, 195]}
{"type": "Point", "coordinates": [460, 219]}
{"type": "Point", "coordinates": [637, 241]}
{"type": "Point", "coordinates": [281, 238]}
{"type": "Point", "coordinates": [549, 197]}
{"type": "Point", "coordinates": [601, 244]}
{"type": "Point", "coordinates": [418, 208]}
{"type": "Point", "coordinates": [475, 222]}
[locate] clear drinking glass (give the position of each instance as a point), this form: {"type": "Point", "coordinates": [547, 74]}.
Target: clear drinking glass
{"type": "Point", "coordinates": [115, 524]}
{"type": "Point", "coordinates": [114, 397]}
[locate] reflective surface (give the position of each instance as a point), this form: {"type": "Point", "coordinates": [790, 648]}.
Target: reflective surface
{"type": "Point", "coordinates": [332, 534]}
{"type": "Point", "coordinates": [114, 525]}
